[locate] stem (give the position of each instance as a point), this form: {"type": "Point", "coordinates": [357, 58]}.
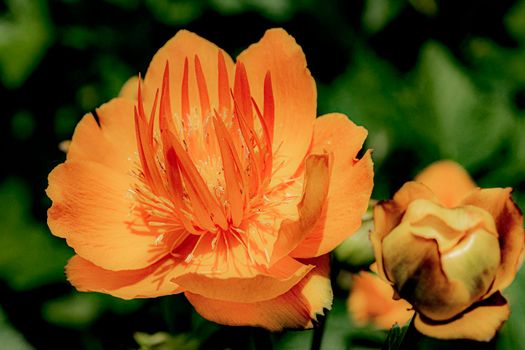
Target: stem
{"type": "Point", "coordinates": [411, 337]}
{"type": "Point", "coordinates": [319, 332]}
{"type": "Point", "coordinates": [262, 339]}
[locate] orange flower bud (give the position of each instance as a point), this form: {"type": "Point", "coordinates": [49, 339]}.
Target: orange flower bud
{"type": "Point", "coordinates": [449, 248]}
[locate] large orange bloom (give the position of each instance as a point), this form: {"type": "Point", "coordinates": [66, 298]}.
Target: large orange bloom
{"type": "Point", "coordinates": [214, 179]}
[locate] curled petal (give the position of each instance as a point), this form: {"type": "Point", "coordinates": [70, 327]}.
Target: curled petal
{"type": "Point", "coordinates": [509, 224]}
{"type": "Point", "coordinates": [480, 323]}
{"type": "Point", "coordinates": [388, 214]}
{"type": "Point", "coordinates": [351, 184]}
{"type": "Point", "coordinates": [316, 186]}
{"type": "Point", "coordinates": [297, 308]}
{"type": "Point", "coordinates": [419, 277]}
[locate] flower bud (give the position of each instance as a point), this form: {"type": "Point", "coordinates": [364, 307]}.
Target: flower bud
{"type": "Point", "coordinates": [442, 260]}
{"type": "Point", "coordinates": [449, 249]}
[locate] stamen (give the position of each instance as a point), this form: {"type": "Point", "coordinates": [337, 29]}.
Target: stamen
{"type": "Point", "coordinates": [203, 90]}
{"type": "Point", "coordinates": [233, 171]}
{"type": "Point", "coordinates": [241, 91]}
{"type": "Point", "coordinates": [224, 85]}
{"type": "Point", "coordinates": [185, 97]}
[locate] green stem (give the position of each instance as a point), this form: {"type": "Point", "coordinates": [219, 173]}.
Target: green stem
{"type": "Point", "coordinates": [319, 332]}
{"type": "Point", "coordinates": [262, 339]}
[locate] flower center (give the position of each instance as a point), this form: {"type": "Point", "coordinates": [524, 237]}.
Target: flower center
{"type": "Point", "coordinates": [206, 169]}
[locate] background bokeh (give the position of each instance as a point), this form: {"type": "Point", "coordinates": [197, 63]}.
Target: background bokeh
{"type": "Point", "coordinates": [429, 79]}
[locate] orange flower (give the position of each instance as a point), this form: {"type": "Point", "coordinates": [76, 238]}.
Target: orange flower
{"type": "Point", "coordinates": [214, 179]}
{"type": "Point", "coordinates": [449, 249]}
{"type": "Point", "coordinates": [370, 301]}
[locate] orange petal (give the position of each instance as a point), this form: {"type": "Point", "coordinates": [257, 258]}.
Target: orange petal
{"type": "Point", "coordinates": [480, 324]}
{"type": "Point", "coordinates": [150, 282]}
{"type": "Point", "coordinates": [351, 184]}
{"type": "Point", "coordinates": [388, 214]}
{"type": "Point", "coordinates": [113, 142]}
{"type": "Point", "coordinates": [371, 301]}
{"type": "Point", "coordinates": [130, 88]}
{"type": "Point", "coordinates": [296, 308]}
{"type": "Point", "coordinates": [92, 210]}
{"type": "Point", "coordinates": [509, 224]}
{"type": "Point", "coordinates": [448, 180]}
{"type": "Point", "coordinates": [278, 280]}
{"type": "Point", "coordinates": [186, 45]}
{"type": "Point", "coordinates": [294, 92]}
{"type": "Point", "coordinates": [310, 208]}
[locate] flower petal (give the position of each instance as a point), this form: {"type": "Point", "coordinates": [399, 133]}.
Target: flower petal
{"type": "Point", "coordinates": [351, 184]}
{"type": "Point", "coordinates": [264, 286]}
{"type": "Point", "coordinates": [480, 323]}
{"type": "Point", "coordinates": [509, 224]}
{"type": "Point", "coordinates": [110, 141]}
{"type": "Point", "coordinates": [295, 96]}
{"type": "Point", "coordinates": [388, 214]}
{"type": "Point", "coordinates": [449, 181]}
{"type": "Point", "coordinates": [184, 46]}
{"type": "Point", "coordinates": [316, 187]}
{"type": "Point", "coordinates": [130, 88]}
{"type": "Point", "coordinates": [296, 308]}
{"type": "Point", "coordinates": [152, 281]}
{"type": "Point", "coordinates": [371, 300]}
{"type": "Point", "coordinates": [92, 210]}
{"type": "Point", "coordinates": [419, 278]}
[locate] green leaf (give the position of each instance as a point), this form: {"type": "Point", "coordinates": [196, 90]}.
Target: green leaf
{"type": "Point", "coordinates": [468, 125]}
{"type": "Point", "coordinates": [9, 337]}
{"type": "Point", "coordinates": [378, 13]}
{"type": "Point", "coordinates": [395, 337]}
{"type": "Point", "coordinates": [511, 335]}
{"type": "Point", "coordinates": [356, 250]}
{"type": "Point", "coordinates": [25, 34]}
{"type": "Point", "coordinates": [31, 256]}
{"type": "Point", "coordinates": [175, 12]}
{"type": "Point", "coordinates": [165, 341]}
{"type": "Point", "coordinates": [515, 20]}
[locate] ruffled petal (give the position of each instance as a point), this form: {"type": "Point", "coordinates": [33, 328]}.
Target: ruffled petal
{"type": "Point", "coordinates": [448, 180]}
{"type": "Point", "coordinates": [150, 282]}
{"type": "Point", "coordinates": [184, 46]}
{"type": "Point", "coordinates": [388, 214]}
{"type": "Point", "coordinates": [294, 92]}
{"type": "Point", "coordinates": [92, 209]}
{"type": "Point", "coordinates": [351, 184]}
{"type": "Point", "coordinates": [480, 323]}
{"type": "Point", "coordinates": [310, 208]}
{"type": "Point", "coordinates": [110, 141]}
{"type": "Point", "coordinates": [509, 224]}
{"type": "Point", "coordinates": [296, 308]}
{"type": "Point", "coordinates": [275, 281]}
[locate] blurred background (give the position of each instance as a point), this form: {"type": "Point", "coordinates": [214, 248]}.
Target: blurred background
{"type": "Point", "coordinates": [429, 79]}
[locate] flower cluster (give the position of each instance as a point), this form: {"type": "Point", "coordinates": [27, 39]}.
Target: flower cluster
{"type": "Point", "coordinates": [215, 179]}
